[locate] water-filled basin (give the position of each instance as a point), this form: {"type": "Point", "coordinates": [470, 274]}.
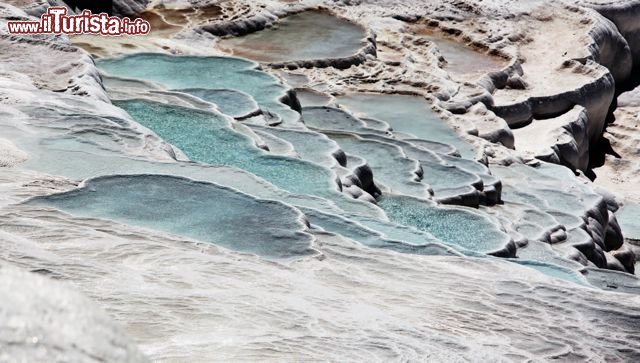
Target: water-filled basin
{"type": "Point", "coordinates": [310, 35]}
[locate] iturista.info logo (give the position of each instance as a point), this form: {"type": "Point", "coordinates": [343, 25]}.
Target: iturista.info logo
{"type": "Point", "coordinates": [57, 20]}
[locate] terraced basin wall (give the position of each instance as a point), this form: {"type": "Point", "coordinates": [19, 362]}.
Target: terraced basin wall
{"type": "Point", "coordinates": [617, 46]}
{"type": "Point", "coordinates": [266, 19]}
{"type": "Point", "coordinates": [624, 15]}
{"type": "Point", "coordinates": [614, 49]}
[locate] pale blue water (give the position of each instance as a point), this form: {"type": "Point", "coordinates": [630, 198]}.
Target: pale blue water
{"type": "Point", "coordinates": [390, 167]}
{"type": "Point", "coordinates": [554, 271]}
{"type": "Point", "coordinates": [232, 83]}
{"type": "Point", "coordinates": [443, 177]}
{"type": "Point", "coordinates": [469, 165]}
{"type": "Point", "coordinates": [310, 146]}
{"type": "Point", "coordinates": [205, 137]}
{"type": "Point", "coordinates": [406, 114]}
{"type": "Point", "coordinates": [183, 72]}
{"type": "Point", "coordinates": [629, 218]}
{"type": "Point", "coordinates": [544, 253]}
{"type": "Point", "coordinates": [411, 150]}
{"type": "Point", "coordinates": [202, 211]}
{"type": "Point", "coordinates": [453, 225]}
{"type": "Point", "coordinates": [539, 187]}
{"type": "Point", "coordinates": [570, 221]}
{"type": "Point", "coordinates": [332, 119]}
{"type": "Point", "coordinates": [309, 98]}
{"type": "Point", "coordinates": [394, 170]}
{"type": "Point", "coordinates": [414, 243]}
{"type": "Point", "coordinates": [230, 102]}
{"type": "Point", "coordinates": [434, 146]}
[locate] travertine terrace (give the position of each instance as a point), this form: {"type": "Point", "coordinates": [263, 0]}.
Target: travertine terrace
{"type": "Point", "coordinates": [318, 180]}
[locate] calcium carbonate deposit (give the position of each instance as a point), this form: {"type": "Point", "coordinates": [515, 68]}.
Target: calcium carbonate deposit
{"type": "Point", "coordinates": [322, 180]}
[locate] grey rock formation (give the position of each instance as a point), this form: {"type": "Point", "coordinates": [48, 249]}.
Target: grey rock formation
{"type": "Point", "coordinates": [129, 7]}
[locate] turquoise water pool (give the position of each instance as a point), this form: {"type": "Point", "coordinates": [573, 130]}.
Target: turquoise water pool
{"type": "Point", "coordinates": [206, 137]}
{"type": "Point", "coordinates": [233, 103]}
{"type": "Point", "coordinates": [198, 210]}
{"type": "Point", "coordinates": [208, 73]}
{"type": "Point", "coordinates": [406, 114]}
{"type": "Point", "coordinates": [457, 226]}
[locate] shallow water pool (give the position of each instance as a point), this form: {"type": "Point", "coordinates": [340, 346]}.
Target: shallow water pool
{"type": "Point", "coordinates": [462, 59]}
{"type": "Point", "coordinates": [408, 115]}
{"type": "Point", "coordinates": [309, 35]}
{"type": "Point", "coordinates": [456, 226]}
{"type": "Point", "coordinates": [203, 211]}
{"type": "Point", "coordinates": [211, 73]}
{"type": "Point", "coordinates": [206, 137]}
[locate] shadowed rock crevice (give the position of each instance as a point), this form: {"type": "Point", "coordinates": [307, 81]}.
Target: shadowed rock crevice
{"type": "Point", "coordinates": [627, 66]}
